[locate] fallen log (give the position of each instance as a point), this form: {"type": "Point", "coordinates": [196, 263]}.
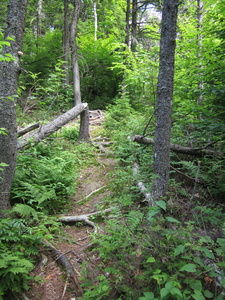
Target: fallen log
{"type": "Point", "coordinates": [46, 130]}
{"type": "Point", "coordinates": [27, 129]}
{"type": "Point", "coordinates": [178, 148]}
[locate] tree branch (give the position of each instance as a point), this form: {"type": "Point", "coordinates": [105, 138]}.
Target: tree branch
{"type": "Point", "coordinates": [178, 148]}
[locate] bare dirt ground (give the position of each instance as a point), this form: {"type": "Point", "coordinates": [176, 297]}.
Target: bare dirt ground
{"type": "Point", "coordinates": [74, 239]}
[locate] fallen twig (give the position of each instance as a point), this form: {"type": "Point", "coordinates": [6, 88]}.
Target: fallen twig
{"type": "Point", "coordinates": [95, 191]}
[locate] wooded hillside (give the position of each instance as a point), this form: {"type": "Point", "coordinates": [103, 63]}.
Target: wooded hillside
{"type": "Point", "coordinates": [134, 92]}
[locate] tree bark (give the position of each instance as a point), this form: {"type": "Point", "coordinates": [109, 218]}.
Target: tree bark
{"type": "Point", "coordinates": [178, 148]}
{"type": "Point", "coordinates": [74, 58]}
{"type": "Point", "coordinates": [95, 20]}
{"type": "Point", "coordinates": [39, 17]}
{"type": "Point", "coordinates": [200, 6]}
{"type": "Point", "coordinates": [28, 129]}
{"type": "Point", "coordinates": [127, 37]}
{"type": "Point", "coordinates": [134, 26]}
{"type": "Point", "coordinates": [9, 74]}
{"type": "Point", "coordinates": [53, 126]}
{"type": "Point", "coordinates": [164, 98]}
{"type": "Point", "coordinates": [66, 41]}
{"type": "Point", "coordinates": [84, 126]}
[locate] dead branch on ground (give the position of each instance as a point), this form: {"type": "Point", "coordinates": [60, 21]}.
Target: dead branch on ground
{"type": "Point", "coordinates": [178, 148]}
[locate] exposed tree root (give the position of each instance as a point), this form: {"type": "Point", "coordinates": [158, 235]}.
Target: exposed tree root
{"type": "Point", "coordinates": [62, 259]}
{"type": "Point", "coordinates": [83, 218]}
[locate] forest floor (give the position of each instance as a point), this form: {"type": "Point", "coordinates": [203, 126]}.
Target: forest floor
{"type": "Point", "coordinates": [74, 240]}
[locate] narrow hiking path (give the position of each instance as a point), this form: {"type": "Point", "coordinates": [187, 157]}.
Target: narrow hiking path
{"type": "Point", "coordinates": [74, 239]}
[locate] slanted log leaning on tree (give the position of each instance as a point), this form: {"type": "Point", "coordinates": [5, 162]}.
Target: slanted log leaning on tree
{"type": "Point", "coordinates": [53, 126]}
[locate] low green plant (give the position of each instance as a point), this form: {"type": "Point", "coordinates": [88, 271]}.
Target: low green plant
{"type": "Point", "coordinates": [44, 179]}
{"type": "Point", "coordinates": [71, 133]}
{"type": "Point", "coordinates": [19, 247]}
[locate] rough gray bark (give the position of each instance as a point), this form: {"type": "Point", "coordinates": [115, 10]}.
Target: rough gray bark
{"type": "Point", "coordinates": [200, 6]}
{"type": "Point", "coordinates": [74, 58]}
{"type": "Point", "coordinates": [66, 41]}
{"type": "Point", "coordinates": [53, 126]}
{"type": "Point", "coordinates": [164, 98]}
{"type": "Point", "coordinates": [9, 74]}
{"type": "Point", "coordinates": [127, 37]}
{"type": "Point", "coordinates": [39, 17]}
{"type": "Point", "coordinates": [95, 20]}
{"type": "Point", "coordinates": [134, 26]}
{"type": "Point", "coordinates": [84, 126]}
{"type": "Point", "coordinates": [27, 129]}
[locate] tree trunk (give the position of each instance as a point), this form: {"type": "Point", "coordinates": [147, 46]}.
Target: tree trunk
{"type": "Point", "coordinates": [39, 17]}
{"type": "Point", "coordinates": [199, 54]}
{"type": "Point", "coordinates": [84, 126]}
{"type": "Point", "coordinates": [127, 37]}
{"type": "Point", "coordinates": [74, 58]}
{"type": "Point", "coordinates": [53, 126]}
{"type": "Point", "coordinates": [134, 26]}
{"type": "Point", "coordinates": [66, 41]}
{"type": "Point", "coordinates": [95, 20]}
{"type": "Point", "coordinates": [164, 99]}
{"type": "Point", "coordinates": [9, 74]}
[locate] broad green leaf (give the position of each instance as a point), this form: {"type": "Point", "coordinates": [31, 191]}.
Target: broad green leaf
{"type": "Point", "coordinates": [179, 249]}
{"type": "Point", "coordinates": [176, 292]}
{"type": "Point", "coordinates": [207, 252]}
{"type": "Point", "coordinates": [164, 292]}
{"type": "Point", "coordinates": [198, 295]}
{"type": "Point", "coordinates": [196, 285]}
{"type": "Point", "coordinates": [161, 204]}
{"type": "Point", "coordinates": [208, 294]}
{"type": "Point", "coordinates": [147, 296]}
{"type": "Point", "coordinates": [172, 220]}
{"type": "Point", "coordinates": [153, 212]}
{"type": "Point", "coordinates": [189, 268]}
{"type": "Point", "coordinates": [151, 259]}
{"type": "Point", "coordinates": [169, 285]}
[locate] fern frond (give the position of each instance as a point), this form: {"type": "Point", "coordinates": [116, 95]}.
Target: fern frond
{"type": "Point", "coordinates": [25, 211]}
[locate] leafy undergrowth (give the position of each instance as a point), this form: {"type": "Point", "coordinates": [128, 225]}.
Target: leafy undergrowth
{"type": "Point", "coordinates": [174, 250]}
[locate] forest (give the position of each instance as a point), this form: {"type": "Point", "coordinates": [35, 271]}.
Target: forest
{"type": "Point", "coordinates": [112, 131]}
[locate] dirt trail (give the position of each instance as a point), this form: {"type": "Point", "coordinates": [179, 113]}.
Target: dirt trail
{"type": "Point", "coordinates": [74, 239]}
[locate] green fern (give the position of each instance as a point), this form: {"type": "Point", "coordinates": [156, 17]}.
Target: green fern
{"type": "Point", "coordinates": [25, 211]}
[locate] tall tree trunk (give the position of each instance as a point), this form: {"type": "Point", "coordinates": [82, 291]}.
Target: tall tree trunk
{"type": "Point", "coordinates": [164, 99]}
{"type": "Point", "coordinates": [127, 37]}
{"type": "Point", "coordinates": [66, 41]}
{"type": "Point", "coordinates": [95, 20]}
{"type": "Point", "coordinates": [199, 54]}
{"type": "Point", "coordinates": [39, 17]}
{"type": "Point", "coordinates": [134, 26]}
{"type": "Point", "coordinates": [9, 74]}
{"type": "Point", "coordinates": [74, 57]}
